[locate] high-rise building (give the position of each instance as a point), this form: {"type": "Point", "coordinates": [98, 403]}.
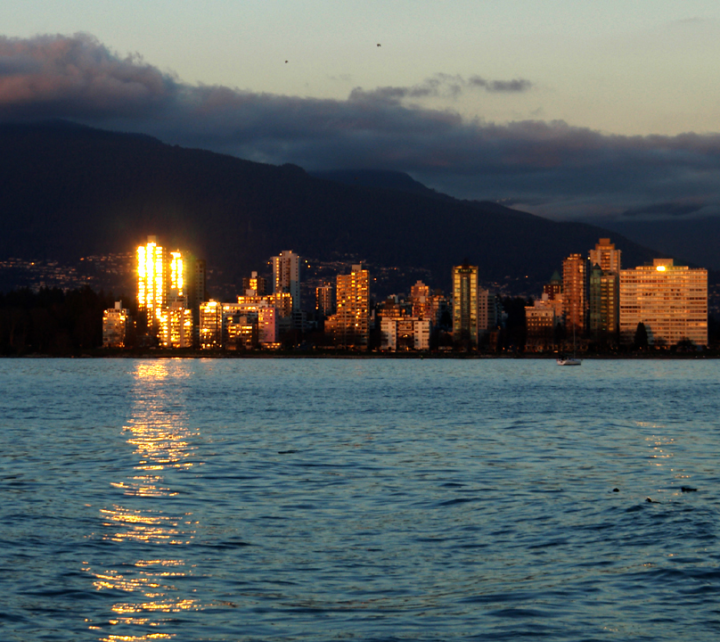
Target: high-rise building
{"type": "Point", "coordinates": [553, 288]}
{"type": "Point", "coordinates": [115, 326]}
{"type": "Point", "coordinates": [152, 279]}
{"type": "Point", "coordinates": [606, 256]}
{"type": "Point", "coordinates": [350, 325]}
{"type": "Point", "coordinates": [670, 300]}
{"type": "Point", "coordinates": [426, 304]}
{"type": "Point", "coordinates": [169, 280]}
{"type": "Point", "coordinates": [574, 296]}
{"type": "Point", "coordinates": [603, 303]}
{"type": "Point", "coordinates": [603, 290]}
{"type": "Point", "coordinates": [211, 325]}
{"type": "Point", "coordinates": [488, 312]}
{"type": "Point", "coordinates": [176, 327]}
{"type": "Point", "coordinates": [286, 276]}
{"type": "Point", "coordinates": [325, 300]}
{"type": "Point", "coordinates": [262, 312]}
{"type": "Point", "coordinates": [254, 285]}
{"type": "Point", "coordinates": [465, 305]}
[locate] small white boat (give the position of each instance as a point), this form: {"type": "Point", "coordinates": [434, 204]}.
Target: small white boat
{"type": "Point", "coordinates": [565, 360]}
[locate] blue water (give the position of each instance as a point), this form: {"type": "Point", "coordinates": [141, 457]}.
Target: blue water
{"type": "Point", "coordinates": [303, 499]}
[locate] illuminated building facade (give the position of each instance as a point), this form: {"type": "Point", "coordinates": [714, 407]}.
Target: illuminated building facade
{"type": "Point", "coordinates": [241, 331]}
{"type": "Point", "coordinates": [257, 310]}
{"type": "Point", "coordinates": [170, 283]}
{"type": "Point", "coordinates": [574, 293]}
{"type": "Point", "coordinates": [606, 256]}
{"type": "Point", "coordinates": [152, 279]}
{"type": "Point", "coordinates": [604, 290]}
{"type": "Point", "coordinates": [465, 305]}
{"type": "Point", "coordinates": [350, 325]}
{"type": "Point", "coordinates": [176, 327]}
{"type": "Point", "coordinates": [395, 308]}
{"type": "Point", "coordinates": [407, 333]}
{"type": "Point", "coordinates": [540, 323]}
{"type": "Point", "coordinates": [552, 293]}
{"type": "Point", "coordinates": [286, 276]}
{"type": "Point", "coordinates": [211, 325]}
{"type": "Point", "coordinates": [426, 304]}
{"type": "Point", "coordinates": [254, 285]}
{"type": "Point", "coordinates": [670, 300]}
{"type": "Point", "coordinates": [420, 301]}
{"type": "Point", "coordinates": [115, 326]}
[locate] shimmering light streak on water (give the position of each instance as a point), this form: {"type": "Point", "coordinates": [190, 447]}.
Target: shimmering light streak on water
{"type": "Point", "coordinates": [370, 499]}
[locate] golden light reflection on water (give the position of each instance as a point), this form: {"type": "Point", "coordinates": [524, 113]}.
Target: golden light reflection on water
{"type": "Point", "coordinates": [162, 442]}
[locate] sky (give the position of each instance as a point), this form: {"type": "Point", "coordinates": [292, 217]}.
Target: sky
{"type": "Point", "coordinates": [568, 109]}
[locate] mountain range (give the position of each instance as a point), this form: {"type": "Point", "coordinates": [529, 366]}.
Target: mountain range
{"type": "Point", "coordinates": [69, 190]}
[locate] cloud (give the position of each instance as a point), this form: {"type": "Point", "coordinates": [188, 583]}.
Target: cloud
{"type": "Point", "coordinates": [517, 85]}
{"type": "Point", "coordinates": [443, 86]}
{"type": "Point", "coordinates": [78, 78]}
{"type": "Point", "coordinates": [666, 209]}
{"type": "Point", "coordinates": [550, 168]}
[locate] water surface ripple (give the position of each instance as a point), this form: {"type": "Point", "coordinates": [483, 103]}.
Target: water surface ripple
{"type": "Point", "coordinates": [303, 499]}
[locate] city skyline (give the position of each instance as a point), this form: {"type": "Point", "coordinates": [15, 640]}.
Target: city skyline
{"type": "Point", "coordinates": [546, 107]}
{"type": "Point", "coordinates": [596, 300]}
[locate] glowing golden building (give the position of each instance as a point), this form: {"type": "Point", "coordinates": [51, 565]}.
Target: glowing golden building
{"type": "Point", "coordinates": [176, 327]}
{"type": "Point", "coordinates": [574, 296]}
{"type": "Point", "coordinates": [465, 304]}
{"type": "Point", "coordinates": [606, 256]}
{"type": "Point", "coordinates": [254, 285]}
{"type": "Point", "coordinates": [211, 325]}
{"type": "Point", "coordinates": [286, 276]}
{"type": "Point", "coordinates": [670, 300]}
{"type": "Point", "coordinates": [350, 325]}
{"type": "Point", "coordinates": [177, 276]}
{"type": "Point", "coordinates": [152, 279]}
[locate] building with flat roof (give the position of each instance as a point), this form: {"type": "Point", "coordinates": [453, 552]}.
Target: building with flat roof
{"type": "Point", "coordinates": [350, 325]}
{"type": "Point", "coordinates": [406, 333]}
{"type": "Point", "coordinates": [116, 322]}
{"type": "Point", "coordinates": [540, 321]}
{"type": "Point", "coordinates": [324, 300]}
{"type": "Point", "coordinates": [465, 304]}
{"type": "Point", "coordinates": [605, 256]}
{"type": "Point", "coordinates": [286, 276]}
{"type": "Point", "coordinates": [176, 327]}
{"type": "Point", "coordinates": [670, 300]}
{"type": "Point", "coordinates": [603, 297]}
{"type": "Point", "coordinates": [574, 293]}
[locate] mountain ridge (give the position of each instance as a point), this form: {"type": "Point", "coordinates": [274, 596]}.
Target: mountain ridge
{"type": "Point", "coordinates": [71, 191]}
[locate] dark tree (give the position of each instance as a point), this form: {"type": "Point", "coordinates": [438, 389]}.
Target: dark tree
{"type": "Point", "coordinates": [641, 337]}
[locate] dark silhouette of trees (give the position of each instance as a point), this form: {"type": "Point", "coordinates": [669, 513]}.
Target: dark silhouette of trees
{"type": "Point", "coordinates": [641, 337]}
{"type": "Point", "coordinates": [51, 321]}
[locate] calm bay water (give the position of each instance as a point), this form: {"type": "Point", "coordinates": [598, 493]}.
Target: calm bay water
{"type": "Point", "coordinates": [304, 499]}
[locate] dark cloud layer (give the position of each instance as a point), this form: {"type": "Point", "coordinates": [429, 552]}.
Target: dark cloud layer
{"type": "Point", "coordinates": [549, 167]}
{"type": "Point", "coordinates": [667, 209]}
